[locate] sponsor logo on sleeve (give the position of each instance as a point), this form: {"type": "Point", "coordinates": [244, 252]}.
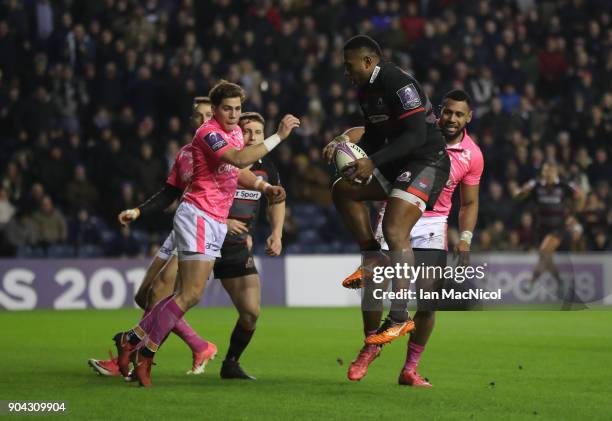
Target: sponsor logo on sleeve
{"type": "Point", "coordinates": [409, 97]}
{"type": "Point", "coordinates": [215, 141]}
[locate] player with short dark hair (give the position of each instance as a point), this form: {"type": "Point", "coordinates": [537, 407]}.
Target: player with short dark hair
{"type": "Point", "coordinates": [553, 198]}
{"type": "Point", "coordinates": [407, 163]}
{"type": "Point", "coordinates": [429, 235]}
{"type": "Point", "coordinates": [200, 221]}
{"type": "Point", "coordinates": [236, 268]}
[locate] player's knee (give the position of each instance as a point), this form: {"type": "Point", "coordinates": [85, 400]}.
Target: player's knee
{"type": "Point", "coordinates": [188, 298]}
{"type": "Point", "coordinates": [248, 318]}
{"type": "Point", "coordinates": [343, 192]}
{"type": "Point", "coordinates": [396, 239]}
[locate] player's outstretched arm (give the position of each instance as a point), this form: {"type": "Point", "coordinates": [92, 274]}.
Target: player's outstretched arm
{"type": "Point", "coordinates": [524, 192]}
{"type": "Point", "coordinates": [249, 155]}
{"type": "Point", "coordinates": [248, 179]}
{"type": "Point", "coordinates": [159, 201]}
{"type": "Point", "coordinates": [352, 135]}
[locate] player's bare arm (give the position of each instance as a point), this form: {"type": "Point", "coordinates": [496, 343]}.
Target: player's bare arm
{"type": "Point", "coordinates": [248, 179]}
{"type": "Point", "coordinates": [250, 154]}
{"type": "Point", "coordinates": [523, 192]}
{"type": "Point", "coordinates": [468, 215]}
{"type": "Point", "coordinates": [236, 227]}
{"type": "Point", "coordinates": [276, 217]}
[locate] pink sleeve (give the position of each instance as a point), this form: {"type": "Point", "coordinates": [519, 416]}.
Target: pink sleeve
{"type": "Point", "coordinates": [174, 179]}
{"type": "Point", "coordinates": [472, 178]}
{"type": "Point", "coordinates": [214, 143]}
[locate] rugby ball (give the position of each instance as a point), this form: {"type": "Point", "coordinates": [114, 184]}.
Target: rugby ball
{"type": "Point", "coordinates": [346, 153]}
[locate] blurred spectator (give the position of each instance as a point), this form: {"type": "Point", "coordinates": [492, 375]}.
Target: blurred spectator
{"type": "Point", "coordinates": [291, 232]}
{"type": "Point", "coordinates": [50, 223]}
{"type": "Point", "coordinates": [593, 216]}
{"type": "Point", "coordinates": [484, 243]}
{"type": "Point", "coordinates": [33, 200]}
{"type": "Point", "coordinates": [601, 241]}
{"type": "Point", "coordinates": [92, 84]}
{"type": "Point", "coordinates": [80, 192]}
{"type": "Point", "coordinates": [125, 244]}
{"type": "Point", "coordinates": [495, 206]}
{"type": "Point", "coordinates": [7, 210]}
{"type": "Point", "coordinates": [21, 231]}
{"type": "Point", "coordinates": [85, 229]}
{"type": "Point", "coordinates": [53, 171]}
{"type": "Point", "coordinates": [601, 168]}
{"type": "Point", "coordinates": [150, 172]}
{"type": "Point", "coordinates": [310, 182]}
{"type": "Point", "coordinates": [526, 231]}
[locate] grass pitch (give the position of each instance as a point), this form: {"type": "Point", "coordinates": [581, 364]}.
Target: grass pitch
{"type": "Point", "coordinates": [484, 365]}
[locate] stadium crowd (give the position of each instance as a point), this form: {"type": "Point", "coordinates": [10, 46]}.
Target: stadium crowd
{"type": "Point", "coordinates": [95, 100]}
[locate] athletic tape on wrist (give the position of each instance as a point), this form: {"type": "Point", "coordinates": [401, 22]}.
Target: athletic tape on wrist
{"type": "Point", "coordinates": [466, 236]}
{"type": "Point", "coordinates": [272, 142]}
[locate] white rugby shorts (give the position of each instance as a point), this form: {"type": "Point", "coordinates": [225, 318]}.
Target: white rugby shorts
{"type": "Point", "coordinates": [428, 233]}
{"type": "Point", "coordinates": [197, 235]}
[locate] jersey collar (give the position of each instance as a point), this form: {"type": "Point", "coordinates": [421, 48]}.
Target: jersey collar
{"type": "Point", "coordinates": [459, 146]}
{"type": "Point", "coordinates": [375, 74]}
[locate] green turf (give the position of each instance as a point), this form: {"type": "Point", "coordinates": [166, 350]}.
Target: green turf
{"type": "Point", "coordinates": [484, 365]}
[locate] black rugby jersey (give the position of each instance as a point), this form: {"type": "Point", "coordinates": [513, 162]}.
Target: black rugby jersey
{"type": "Point", "coordinates": [245, 206]}
{"type": "Point", "coordinates": [398, 112]}
{"type": "Point", "coordinates": [552, 207]}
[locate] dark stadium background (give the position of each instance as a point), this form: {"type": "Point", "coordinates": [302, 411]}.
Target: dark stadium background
{"type": "Point", "coordinates": [95, 98]}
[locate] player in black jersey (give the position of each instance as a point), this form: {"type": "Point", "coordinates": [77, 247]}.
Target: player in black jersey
{"type": "Point", "coordinates": [407, 161]}
{"type": "Point", "coordinates": [555, 202]}
{"type": "Point", "coordinates": [236, 268]}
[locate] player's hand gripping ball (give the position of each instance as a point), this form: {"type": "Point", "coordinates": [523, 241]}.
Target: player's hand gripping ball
{"type": "Point", "coordinates": [346, 153]}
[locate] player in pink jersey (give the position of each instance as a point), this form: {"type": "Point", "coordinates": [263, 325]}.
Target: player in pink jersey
{"type": "Point", "coordinates": [429, 235]}
{"type": "Point", "coordinates": [160, 278]}
{"type": "Point", "coordinates": [199, 222]}
{"type": "Point", "coordinates": [161, 272]}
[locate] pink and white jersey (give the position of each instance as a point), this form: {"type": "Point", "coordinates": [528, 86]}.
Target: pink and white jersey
{"type": "Point", "coordinates": [214, 182]}
{"type": "Point", "coordinates": [466, 167]}
{"type": "Point", "coordinates": [182, 169]}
